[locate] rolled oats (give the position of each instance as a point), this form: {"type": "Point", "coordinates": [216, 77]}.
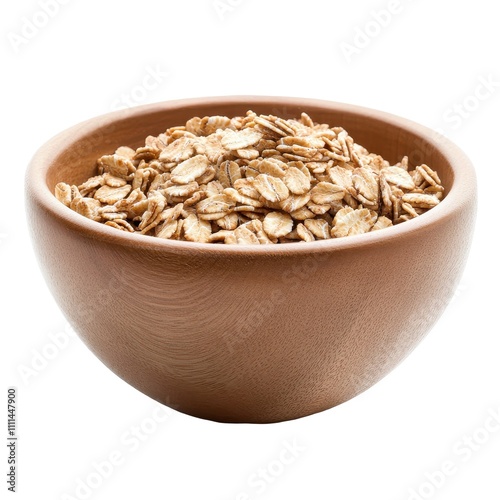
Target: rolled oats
{"type": "Point", "coordinates": [277, 224]}
{"type": "Point", "coordinates": [110, 195]}
{"type": "Point", "coordinates": [326, 193]}
{"type": "Point", "coordinates": [88, 207]}
{"type": "Point", "coordinates": [196, 229]}
{"type": "Point", "coordinates": [167, 229]}
{"type": "Point", "coordinates": [295, 202]}
{"type": "Point", "coordinates": [382, 222]}
{"type": "Point", "coordinates": [271, 188]}
{"type": "Point", "coordinates": [241, 139]}
{"type": "Point", "coordinates": [121, 224]}
{"type": "Point", "coordinates": [152, 216]}
{"type": "Point", "coordinates": [297, 181]}
{"type": "Point", "coordinates": [304, 233]}
{"type": "Point", "coordinates": [398, 177]}
{"type": "Point", "coordinates": [244, 236]}
{"type": "Point", "coordinates": [348, 222]}
{"type": "Point", "coordinates": [116, 165]}
{"type": "Point", "coordinates": [253, 179]}
{"type": "Point", "coordinates": [366, 188]}
{"type": "Point", "coordinates": [190, 169]}
{"type": "Point", "coordinates": [418, 200]}
{"type": "Point", "coordinates": [63, 193]}
{"type": "Point", "coordinates": [319, 228]}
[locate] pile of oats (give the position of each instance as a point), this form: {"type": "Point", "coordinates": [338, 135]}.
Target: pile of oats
{"type": "Point", "coordinates": [252, 179]}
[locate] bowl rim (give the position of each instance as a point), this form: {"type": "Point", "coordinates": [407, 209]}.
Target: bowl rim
{"type": "Point", "coordinates": [462, 189]}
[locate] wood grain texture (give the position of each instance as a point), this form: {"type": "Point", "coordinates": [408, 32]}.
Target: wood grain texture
{"type": "Point", "coordinates": [250, 334]}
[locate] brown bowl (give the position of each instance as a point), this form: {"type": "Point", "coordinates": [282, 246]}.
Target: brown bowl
{"type": "Point", "coordinates": [250, 333]}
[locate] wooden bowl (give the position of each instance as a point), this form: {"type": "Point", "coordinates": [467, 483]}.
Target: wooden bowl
{"type": "Point", "coordinates": [250, 333]}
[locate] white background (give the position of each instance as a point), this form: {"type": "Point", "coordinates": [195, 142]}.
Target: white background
{"type": "Point", "coordinates": [425, 64]}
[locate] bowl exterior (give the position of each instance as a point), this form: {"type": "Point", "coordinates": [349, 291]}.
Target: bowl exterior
{"type": "Point", "coordinates": [241, 336]}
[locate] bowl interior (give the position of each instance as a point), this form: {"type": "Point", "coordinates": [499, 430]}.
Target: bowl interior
{"type": "Point", "coordinates": [380, 133]}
